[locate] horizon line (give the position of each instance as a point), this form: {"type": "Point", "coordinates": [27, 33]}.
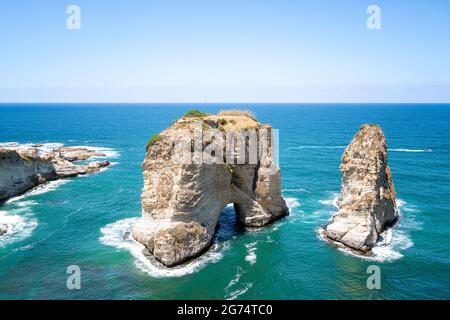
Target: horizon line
{"type": "Point", "coordinates": [213, 103]}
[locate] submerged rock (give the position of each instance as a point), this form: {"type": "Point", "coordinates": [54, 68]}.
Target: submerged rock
{"type": "Point", "coordinates": [3, 230]}
{"type": "Point", "coordinates": [367, 202]}
{"type": "Point", "coordinates": [23, 167]}
{"type": "Point", "coordinates": [186, 188]}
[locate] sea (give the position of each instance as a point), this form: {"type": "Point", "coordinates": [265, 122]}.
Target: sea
{"type": "Point", "coordinates": [85, 221]}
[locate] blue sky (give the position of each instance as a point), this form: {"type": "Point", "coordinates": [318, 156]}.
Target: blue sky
{"type": "Point", "coordinates": [225, 51]}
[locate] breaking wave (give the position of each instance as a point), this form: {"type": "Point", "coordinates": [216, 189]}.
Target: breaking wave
{"type": "Point", "coordinates": [40, 189]}
{"type": "Point", "coordinates": [19, 223]}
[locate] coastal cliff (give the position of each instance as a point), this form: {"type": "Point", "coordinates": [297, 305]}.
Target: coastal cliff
{"type": "Point", "coordinates": [367, 204]}
{"type": "Point", "coordinates": [226, 158]}
{"type": "Point", "coordinates": [23, 167]}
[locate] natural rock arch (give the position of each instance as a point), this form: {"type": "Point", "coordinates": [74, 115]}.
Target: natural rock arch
{"type": "Point", "coordinates": [182, 202]}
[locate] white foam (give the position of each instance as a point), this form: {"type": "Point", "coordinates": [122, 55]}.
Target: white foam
{"type": "Point", "coordinates": [331, 202]}
{"type": "Point", "coordinates": [320, 147]}
{"type": "Point", "coordinates": [236, 279]}
{"type": "Point", "coordinates": [410, 150]}
{"type": "Point", "coordinates": [19, 226]}
{"type": "Point", "coordinates": [393, 241]}
{"type": "Point", "coordinates": [292, 202]}
{"type": "Point", "coordinates": [343, 147]}
{"type": "Point", "coordinates": [117, 234]}
{"type": "Point", "coordinates": [108, 152]}
{"type": "Point", "coordinates": [251, 253]}
{"type": "Point", "coordinates": [233, 295]}
{"type": "Point", "coordinates": [27, 203]}
{"type": "Point", "coordinates": [296, 190]}
{"type": "Point", "coordinates": [40, 189]}
{"type": "Point", "coordinates": [230, 292]}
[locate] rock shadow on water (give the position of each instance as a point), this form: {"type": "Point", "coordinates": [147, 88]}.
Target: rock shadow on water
{"type": "Point", "coordinates": [228, 226]}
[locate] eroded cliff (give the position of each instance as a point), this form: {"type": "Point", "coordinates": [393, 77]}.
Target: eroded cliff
{"type": "Point", "coordinates": [367, 204]}
{"type": "Point", "coordinates": [196, 167]}
{"type": "Point", "coordinates": [23, 167]}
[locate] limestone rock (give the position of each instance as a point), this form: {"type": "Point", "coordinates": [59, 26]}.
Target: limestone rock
{"type": "Point", "coordinates": [182, 200]}
{"type": "Point", "coordinates": [367, 202]}
{"type": "Point", "coordinates": [23, 167]}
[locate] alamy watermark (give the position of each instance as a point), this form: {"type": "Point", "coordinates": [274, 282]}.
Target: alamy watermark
{"type": "Point", "coordinates": [374, 20]}
{"type": "Point", "coordinates": [251, 146]}
{"type": "Point", "coordinates": [73, 21]}
{"type": "Point", "coordinates": [74, 279]}
{"type": "Point", "coordinates": [374, 280]}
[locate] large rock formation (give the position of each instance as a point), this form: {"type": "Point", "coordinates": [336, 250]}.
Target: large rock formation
{"type": "Point", "coordinates": [186, 188]}
{"type": "Point", "coordinates": [367, 201]}
{"type": "Point", "coordinates": [23, 167]}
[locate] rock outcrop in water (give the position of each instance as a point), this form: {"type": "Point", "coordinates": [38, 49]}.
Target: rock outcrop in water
{"type": "Point", "coordinates": [367, 202]}
{"type": "Point", "coordinates": [23, 167]}
{"type": "Point", "coordinates": [186, 189]}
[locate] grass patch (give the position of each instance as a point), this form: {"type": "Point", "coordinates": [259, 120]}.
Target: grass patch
{"type": "Point", "coordinates": [195, 114]}
{"type": "Point", "coordinates": [153, 140]}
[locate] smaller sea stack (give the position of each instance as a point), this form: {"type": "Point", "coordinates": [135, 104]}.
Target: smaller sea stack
{"type": "Point", "coordinates": [367, 202]}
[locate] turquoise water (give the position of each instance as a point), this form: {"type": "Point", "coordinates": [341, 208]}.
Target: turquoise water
{"type": "Point", "coordinates": [82, 221]}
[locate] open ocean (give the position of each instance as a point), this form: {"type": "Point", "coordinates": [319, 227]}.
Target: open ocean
{"type": "Point", "coordinates": [82, 221]}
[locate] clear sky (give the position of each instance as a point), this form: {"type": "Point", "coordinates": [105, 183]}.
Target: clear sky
{"type": "Point", "coordinates": [225, 51]}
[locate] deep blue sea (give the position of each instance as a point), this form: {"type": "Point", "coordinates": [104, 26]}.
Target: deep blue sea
{"type": "Point", "coordinates": [81, 221]}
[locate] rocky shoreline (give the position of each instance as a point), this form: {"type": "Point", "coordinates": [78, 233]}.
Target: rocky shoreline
{"type": "Point", "coordinates": [25, 166]}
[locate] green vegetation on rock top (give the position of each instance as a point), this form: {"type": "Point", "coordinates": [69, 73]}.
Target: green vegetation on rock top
{"type": "Point", "coordinates": [195, 113]}
{"type": "Point", "coordinates": [155, 138]}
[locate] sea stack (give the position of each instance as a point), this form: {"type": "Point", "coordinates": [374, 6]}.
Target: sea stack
{"type": "Point", "coordinates": [24, 166]}
{"type": "Point", "coordinates": [226, 158]}
{"type": "Point", "coordinates": [367, 202]}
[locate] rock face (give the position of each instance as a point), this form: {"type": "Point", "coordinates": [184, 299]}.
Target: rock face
{"type": "Point", "coordinates": [23, 167]}
{"type": "Point", "coordinates": [367, 201]}
{"type": "Point", "coordinates": [182, 200]}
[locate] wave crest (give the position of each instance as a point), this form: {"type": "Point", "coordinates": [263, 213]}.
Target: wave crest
{"type": "Point", "coordinates": [19, 223]}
